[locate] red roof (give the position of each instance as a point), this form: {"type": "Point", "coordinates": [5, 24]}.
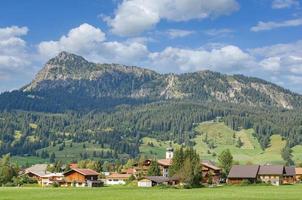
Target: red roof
{"type": "Point", "coordinates": [119, 176]}
{"type": "Point", "coordinates": [85, 172]}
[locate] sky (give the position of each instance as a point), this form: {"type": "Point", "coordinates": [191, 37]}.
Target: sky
{"type": "Point", "coordinates": [260, 38]}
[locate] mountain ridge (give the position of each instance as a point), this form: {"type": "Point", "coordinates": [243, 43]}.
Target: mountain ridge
{"type": "Point", "coordinates": [68, 70]}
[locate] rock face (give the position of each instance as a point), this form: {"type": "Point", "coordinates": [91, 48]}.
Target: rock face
{"type": "Point", "coordinates": [73, 74]}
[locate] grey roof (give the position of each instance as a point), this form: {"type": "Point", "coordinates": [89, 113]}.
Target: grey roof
{"type": "Point", "coordinates": [290, 171]}
{"type": "Point", "coordinates": [161, 179]}
{"type": "Point", "coordinates": [38, 169]}
{"type": "Point", "coordinates": [244, 171]}
{"type": "Point", "coordinates": [271, 170]}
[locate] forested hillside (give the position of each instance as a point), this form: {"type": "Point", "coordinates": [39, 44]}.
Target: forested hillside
{"type": "Point", "coordinates": [112, 107]}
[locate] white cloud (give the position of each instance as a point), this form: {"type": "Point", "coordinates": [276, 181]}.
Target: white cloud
{"type": "Point", "coordinates": [135, 16]}
{"type": "Point", "coordinates": [226, 59]}
{"type": "Point", "coordinates": [280, 4]}
{"type": "Point", "coordinates": [264, 26]}
{"type": "Point", "coordinates": [218, 32]}
{"type": "Point", "coordinates": [178, 33]}
{"type": "Point", "coordinates": [90, 42]}
{"type": "Point", "coordinates": [79, 40]}
{"type": "Point", "coordinates": [13, 48]}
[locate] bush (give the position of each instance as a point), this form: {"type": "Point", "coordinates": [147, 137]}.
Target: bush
{"type": "Point", "coordinates": [55, 184]}
{"type": "Point", "coordinates": [245, 182]}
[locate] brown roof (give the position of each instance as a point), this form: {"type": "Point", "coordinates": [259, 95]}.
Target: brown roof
{"type": "Point", "coordinates": [119, 176]}
{"type": "Point", "coordinates": [271, 170]}
{"type": "Point", "coordinates": [290, 171]}
{"type": "Point", "coordinates": [244, 171]}
{"type": "Point", "coordinates": [298, 171]}
{"type": "Point", "coordinates": [210, 165]}
{"type": "Point", "coordinates": [165, 162]}
{"type": "Point", "coordinates": [85, 172]}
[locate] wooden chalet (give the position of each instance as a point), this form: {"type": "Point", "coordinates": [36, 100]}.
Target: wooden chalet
{"type": "Point", "coordinates": [298, 172]}
{"type": "Point", "coordinates": [82, 177]}
{"type": "Point", "coordinates": [209, 170]}
{"type": "Point", "coordinates": [37, 172]}
{"type": "Point", "coordinates": [290, 175]}
{"type": "Point", "coordinates": [273, 174]}
{"type": "Point", "coordinates": [239, 173]}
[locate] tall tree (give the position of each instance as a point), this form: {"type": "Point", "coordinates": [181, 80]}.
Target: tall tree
{"type": "Point", "coordinates": [153, 169]}
{"type": "Point", "coordinates": [225, 160]}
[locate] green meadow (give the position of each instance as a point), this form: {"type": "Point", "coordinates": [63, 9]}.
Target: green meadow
{"type": "Point", "coordinates": [220, 137]}
{"type": "Point", "coordinates": [133, 193]}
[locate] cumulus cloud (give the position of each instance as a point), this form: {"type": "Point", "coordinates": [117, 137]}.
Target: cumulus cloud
{"type": "Point", "coordinates": [135, 16]}
{"type": "Point", "coordinates": [79, 40]}
{"type": "Point", "coordinates": [264, 26]}
{"type": "Point", "coordinates": [13, 48]}
{"type": "Point", "coordinates": [280, 4]}
{"type": "Point", "coordinates": [90, 42]}
{"type": "Point", "coordinates": [226, 59]}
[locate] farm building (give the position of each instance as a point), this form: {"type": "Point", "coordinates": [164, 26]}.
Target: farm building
{"type": "Point", "coordinates": [51, 178]}
{"type": "Point", "coordinates": [82, 177]}
{"type": "Point", "coordinates": [37, 171]}
{"type": "Point", "coordinates": [298, 171]}
{"type": "Point", "coordinates": [117, 179]}
{"type": "Point", "coordinates": [239, 173]}
{"type": "Point", "coordinates": [210, 171]}
{"type": "Point", "coordinates": [271, 174]}
{"type": "Point", "coordinates": [150, 181]}
{"type": "Point", "coordinates": [290, 175]}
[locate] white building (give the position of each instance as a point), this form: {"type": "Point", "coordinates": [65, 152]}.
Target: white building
{"type": "Point", "coordinates": [117, 179]}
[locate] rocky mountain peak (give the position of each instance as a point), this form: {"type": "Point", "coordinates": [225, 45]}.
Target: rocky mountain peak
{"type": "Point", "coordinates": [68, 60]}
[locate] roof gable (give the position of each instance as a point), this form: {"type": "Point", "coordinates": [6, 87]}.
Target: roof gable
{"type": "Point", "coordinates": [244, 171]}
{"type": "Point", "coordinates": [271, 170]}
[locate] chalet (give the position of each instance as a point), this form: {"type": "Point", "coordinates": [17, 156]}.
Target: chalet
{"type": "Point", "coordinates": [82, 177]}
{"type": "Point", "coordinates": [271, 174]}
{"type": "Point", "coordinates": [290, 175]}
{"type": "Point", "coordinates": [239, 173]}
{"type": "Point", "coordinates": [117, 179]}
{"type": "Point", "coordinates": [52, 178]}
{"type": "Point", "coordinates": [210, 171]}
{"type": "Point", "coordinates": [164, 164]}
{"type": "Point", "coordinates": [37, 171]}
{"type": "Point", "coordinates": [298, 171]}
{"type": "Point", "coordinates": [150, 181]}
{"type": "Point", "coordinates": [138, 169]}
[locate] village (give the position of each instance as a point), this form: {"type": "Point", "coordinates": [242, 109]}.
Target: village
{"type": "Point", "coordinates": [211, 175]}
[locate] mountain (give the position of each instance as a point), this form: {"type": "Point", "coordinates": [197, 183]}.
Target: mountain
{"type": "Point", "coordinates": [111, 108]}
{"type": "Point", "coordinates": [77, 77]}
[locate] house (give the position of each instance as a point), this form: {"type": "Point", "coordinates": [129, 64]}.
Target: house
{"type": "Point", "coordinates": [298, 171]}
{"type": "Point", "coordinates": [290, 175]}
{"type": "Point", "coordinates": [37, 171]}
{"type": "Point", "coordinates": [164, 164]}
{"type": "Point", "coordinates": [239, 173]}
{"type": "Point", "coordinates": [52, 178]}
{"type": "Point", "coordinates": [144, 183]}
{"type": "Point", "coordinates": [150, 181]}
{"type": "Point", "coordinates": [273, 174]}
{"type": "Point", "coordinates": [209, 170]}
{"type": "Point", "coordinates": [82, 177]}
{"type": "Point", "coordinates": [117, 179]}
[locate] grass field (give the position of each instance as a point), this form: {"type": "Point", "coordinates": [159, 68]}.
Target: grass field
{"type": "Point", "coordinates": [128, 193]}
{"type": "Point", "coordinates": [225, 138]}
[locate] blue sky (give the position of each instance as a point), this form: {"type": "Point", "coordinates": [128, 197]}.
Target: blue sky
{"type": "Point", "coordinates": [259, 38]}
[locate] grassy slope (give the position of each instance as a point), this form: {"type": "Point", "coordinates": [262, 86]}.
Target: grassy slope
{"type": "Point", "coordinates": [158, 149]}
{"type": "Point", "coordinates": [223, 138]}
{"type": "Point", "coordinates": [73, 153]}
{"type": "Point", "coordinates": [125, 193]}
